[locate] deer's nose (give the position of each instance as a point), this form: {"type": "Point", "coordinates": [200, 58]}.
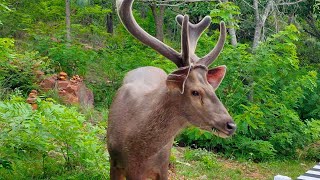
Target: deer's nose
{"type": "Point", "coordinates": [231, 127]}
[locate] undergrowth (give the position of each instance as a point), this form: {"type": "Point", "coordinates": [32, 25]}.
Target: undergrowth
{"type": "Point", "coordinates": [49, 142]}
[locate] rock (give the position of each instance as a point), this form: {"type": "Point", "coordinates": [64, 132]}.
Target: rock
{"type": "Point", "coordinates": [86, 97]}
{"type": "Point", "coordinates": [39, 75]}
{"type": "Point", "coordinates": [34, 92]}
{"type": "Point", "coordinates": [32, 99]}
{"type": "Point", "coordinates": [203, 177]}
{"type": "Point", "coordinates": [62, 84]}
{"type": "Point", "coordinates": [72, 91]}
{"type": "Point", "coordinates": [63, 76]}
{"type": "Point", "coordinates": [34, 106]}
{"type": "Point", "coordinates": [48, 83]}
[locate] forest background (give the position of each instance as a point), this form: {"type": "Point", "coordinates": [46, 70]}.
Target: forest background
{"type": "Point", "coordinates": [272, 86]}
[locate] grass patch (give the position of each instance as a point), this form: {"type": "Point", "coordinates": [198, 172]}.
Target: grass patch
{"type": "Point", "coordinates": [202, 164]}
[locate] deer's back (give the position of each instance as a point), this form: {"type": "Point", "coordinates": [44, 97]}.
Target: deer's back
{"type": "Point", "coordinates": [145, 77]}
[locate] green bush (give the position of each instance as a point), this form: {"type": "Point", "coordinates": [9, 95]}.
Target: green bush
{"type": "Point", "coordinates": [19, 71]}
{"type": "Point", "coordinates": [72, 60]}
{"type": "Point", "coordinates": [54, 139]}
{"type": "Point", "coordinates": [311, 151]}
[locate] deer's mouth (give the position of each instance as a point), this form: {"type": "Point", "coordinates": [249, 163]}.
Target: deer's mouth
{"type": "Point", "coordinates": [220, 133]}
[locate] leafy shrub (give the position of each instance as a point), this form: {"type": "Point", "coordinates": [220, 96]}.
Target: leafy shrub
{"type": "Point", "coordinates": [72, 60]}
{"type": "Point", "coordinates": [311, 151]}
{"type": "Point", "coordinates": [309, 107]}
{"type": "Point", "coordinates": [60, 135]}
{"type": "Point", "coordinates": [19, 70]}
{"type": "Point", "coordinates": [257, 150]}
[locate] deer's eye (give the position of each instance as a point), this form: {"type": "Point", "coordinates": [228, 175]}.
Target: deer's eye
{"type": "Point", "coordinates": [195, 93]}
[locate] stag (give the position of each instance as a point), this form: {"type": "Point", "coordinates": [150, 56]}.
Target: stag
{"type": "Point", "coordinates": [151, 107]}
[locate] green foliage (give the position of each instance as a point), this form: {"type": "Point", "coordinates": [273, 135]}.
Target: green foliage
{"type": "Point", "coordinates": [88, 27]}
{"type": "Point", "coordinates": [17, 21]}
{"type": "Point", "coordinates": [207, 159]}
{"type": "Point", "coordinates": [310, 57]}
{"type": "Point", "coordinates": [59, 134]}
{"type": "Point", "coordinates": [313, 129]}
{"type": "Point", "coordinates": [72, 60]}
{"type": "Point", "coordinates": [224, 11]}
{"type": "Point", "coordinates": [5, 164]}
{"type": "Point", "coordinates": [316, 7]}
{"type": "Point", "coordinates": [3, 9]}
{"type": "Point", "coordinates": [6, 45]}
{"type": "Point", "coordinates": [198, 10]}
{"type": "Point", "coordinates": [19, 70]}
{"type": "Point", "coordinates": [87, 14]}
{"type": "Point", "coordinates": [311, 151]}
{"type": "Point", "coordinates": [257, 150]}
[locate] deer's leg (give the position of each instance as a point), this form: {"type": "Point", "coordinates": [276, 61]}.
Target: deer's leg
{"type": "Point", "coordinates": [136, 171]}
{"type": "Point", "coordinates": [134, 176]}
{"type": "Point", "coordinates": [116, 173]}
{"type": "Point", "coordinates": [163, 171]}
{"type": "Point", "coordinates": [164, 160]}
{"type": "Point", "coordinates": [163, 175]}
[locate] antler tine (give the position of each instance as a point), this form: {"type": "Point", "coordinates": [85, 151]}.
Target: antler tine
{"type": "Point", "coordinates": [195, 31]}
{"type": "Point", "coordinates": [209, 58]}
{"type": "Point", "coordinates": [185, 48]}
{"type": "Point", "coordinates": [124, 8]}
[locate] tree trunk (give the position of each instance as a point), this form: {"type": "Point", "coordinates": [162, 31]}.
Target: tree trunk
{"type": "Point", "coordinates": [291, 18]}
{"type": "Point", "coordinates": [313, 29]}
{"type": "Point", "coordinates": [158, 18]}
{"type": "Point", "coordinates": [232, 30]}
{"type": "Point", "coordinates": [110, 18]}
{"type": "Point", "coordinates": [109, 23]}
{"type": "Point", "coordinates": [257, 35]}
{"type": "Point", "coordinates": [68, 21]}
{"type": "Point", "coordinates": [260, 20]}
{"type": "Point", "coordinates": [276, 22]}
{"type": "Point", "coordinates": [233, 35]}
{"type": "Point", "coordinates": [144, 11]}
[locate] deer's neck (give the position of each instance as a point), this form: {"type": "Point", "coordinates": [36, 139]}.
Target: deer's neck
{"type": "Point", "coordinates": [164, 121]}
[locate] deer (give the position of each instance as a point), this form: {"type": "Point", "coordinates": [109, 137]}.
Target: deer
{"type": "Point", "coordinates": [152, 107]}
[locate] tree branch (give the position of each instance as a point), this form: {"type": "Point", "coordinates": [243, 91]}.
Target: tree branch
{"type": "Point", "coordinates": [248, 4]}
{"type": "Point", "coordinates": [177, 2]}
{"type": "Point", "coordinates": [289, 3]}
{"type": "Point", "coordinates": [311, 22]}
{"type": "Point", "coordinates": [256, 10]}
{"type": "Point", "coordinates": [267, 11]}
{"type": "Point", "coordinates": [181, 1]}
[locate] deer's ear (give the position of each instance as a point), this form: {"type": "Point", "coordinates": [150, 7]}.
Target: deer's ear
{"type": "Point", "coordinates": [216, 75]}
{"type": "Point", "coordinates": [177, 79]}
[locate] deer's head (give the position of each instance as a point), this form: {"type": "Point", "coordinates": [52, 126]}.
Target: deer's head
{"type": "Point", "coordinates": [193, 83]}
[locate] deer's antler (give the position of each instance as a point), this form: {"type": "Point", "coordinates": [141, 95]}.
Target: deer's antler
{"type": "Point", "coordinates": [214, 53]}
{"type": "Point", "coordinates": [190, 34]}
{"type": "Point", "coordinates": [185, 40]}
{"type": "Point", "coordinates": [195, 31]}
{"type": "Point", "coordinates": [124, 8]}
